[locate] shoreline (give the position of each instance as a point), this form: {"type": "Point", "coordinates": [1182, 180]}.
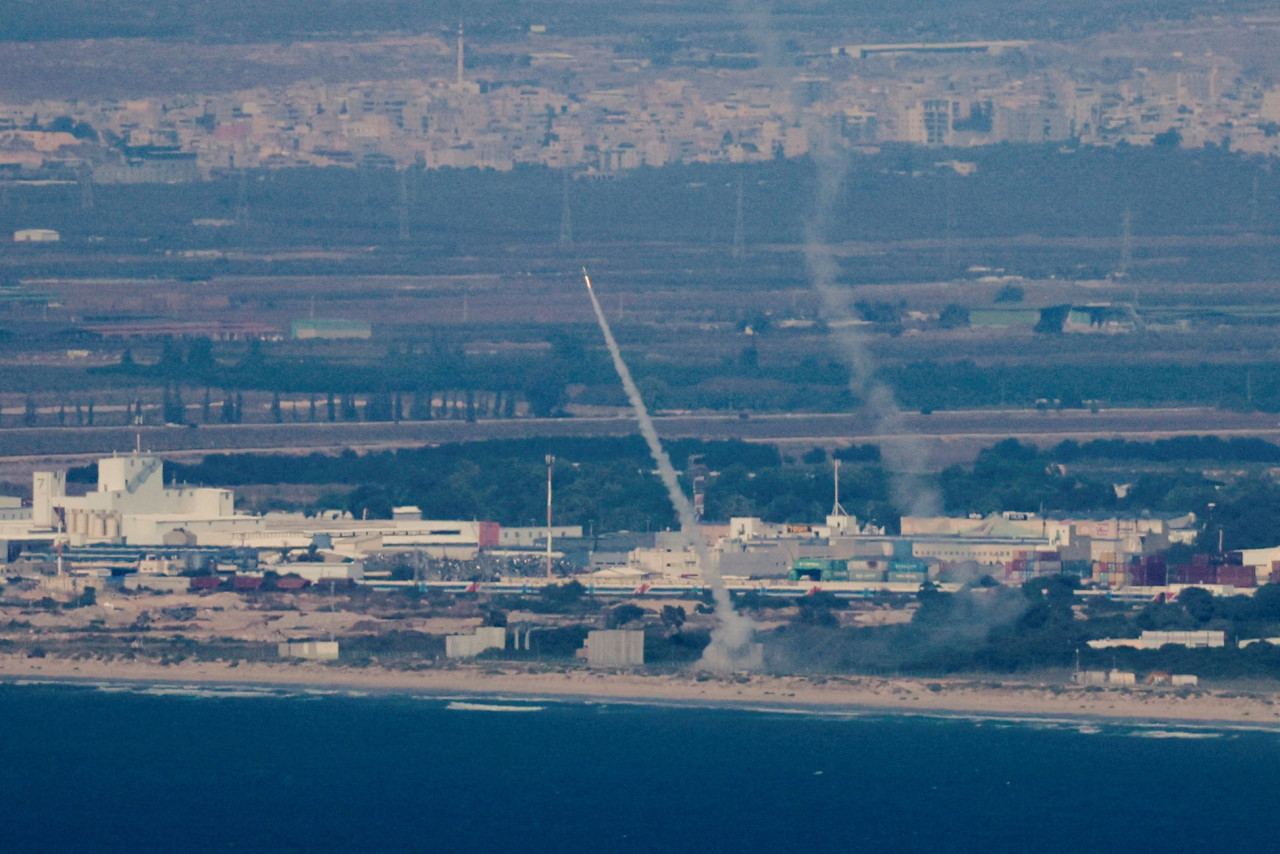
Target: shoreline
{"type": "Point", "coordinates": [852, 694]}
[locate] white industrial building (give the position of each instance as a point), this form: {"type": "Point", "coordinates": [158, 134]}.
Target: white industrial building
{"type": "Point", "coordinates": [36, 235]}
{"type": "Point", "coordinates": [131, 505]}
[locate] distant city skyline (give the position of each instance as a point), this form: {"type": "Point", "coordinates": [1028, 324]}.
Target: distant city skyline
{"type": "Point", "coordinates": [596, 104]}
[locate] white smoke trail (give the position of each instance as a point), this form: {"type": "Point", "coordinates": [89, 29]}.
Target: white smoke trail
{"type": "Point", "coordinates": [734, 630]}
{"type": "Point", "coordinates": [906, 458]}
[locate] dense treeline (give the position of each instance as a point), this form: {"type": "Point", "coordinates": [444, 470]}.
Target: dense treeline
{"type": "Point", "coordinates": [234, 21]}
{"type": "Point", "coordinates": [998, 629]}
{"type": "Point", "coordinates": [600, 483]}
{"type": "Point", "coordinates": [1239, 449]}
{"type": "Point", "coordinates": [956, 385]}
{"type": "Point", "coordinates": [349, 467]}
{"type": "Point", "coordinates": [578, 364]}
{"type": "Point", "coordinates": [1013, 476]}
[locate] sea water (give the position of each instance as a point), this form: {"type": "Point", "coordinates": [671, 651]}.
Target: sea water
{"type": "Point", "coordinates": [166, 769]}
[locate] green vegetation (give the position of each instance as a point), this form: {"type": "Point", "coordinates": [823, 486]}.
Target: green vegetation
{"type": "Point", "coordinates": [601, 483]}
{"type": "Point", "coordinates": [999, 629]}
{"type": "Point", "coordinates": [228, 20]}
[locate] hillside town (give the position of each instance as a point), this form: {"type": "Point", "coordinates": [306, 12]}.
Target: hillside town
{"type": "Point", "coordinates": [605, 105]}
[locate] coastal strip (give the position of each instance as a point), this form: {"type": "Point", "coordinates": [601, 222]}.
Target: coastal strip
{"type": "Point", "coordinates": [854, 693]}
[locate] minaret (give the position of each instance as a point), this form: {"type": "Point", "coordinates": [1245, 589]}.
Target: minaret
{"type": "Point", "coordinates": [460, 53]}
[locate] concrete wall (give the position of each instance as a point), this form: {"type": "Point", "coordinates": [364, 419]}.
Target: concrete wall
{"type": "Point", "coordinates": [469, 646]}
{"type": "Point", "coordinates": [1121, 677]}
{"type": "Point", "coordinates": [167, 583]}
{"type": "Point", "coordinates": [615, 648]}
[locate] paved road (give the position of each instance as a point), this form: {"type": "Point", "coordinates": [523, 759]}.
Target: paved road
{"type": "Point", "coordinates": [936, 439]}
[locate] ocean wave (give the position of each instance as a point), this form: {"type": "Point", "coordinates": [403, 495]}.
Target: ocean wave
{"type": "Point", "coordinates": [460, 705]}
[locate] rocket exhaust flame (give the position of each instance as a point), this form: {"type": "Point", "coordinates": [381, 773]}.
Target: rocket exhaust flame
{"type": "Point", "coordinates": [734, 631]}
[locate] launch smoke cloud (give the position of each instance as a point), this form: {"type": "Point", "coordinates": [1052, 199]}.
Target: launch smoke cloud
{"type": "Point", "coordinates": [734, 631]}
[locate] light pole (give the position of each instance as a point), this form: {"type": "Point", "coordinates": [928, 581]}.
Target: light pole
{"type": "Point", "coordinates": [551, 464]}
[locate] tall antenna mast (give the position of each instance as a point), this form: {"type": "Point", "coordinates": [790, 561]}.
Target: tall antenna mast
{"type": "Point", "coordinates": [836, 509]}
{"type": "Point", "coordinates": [551, 464]}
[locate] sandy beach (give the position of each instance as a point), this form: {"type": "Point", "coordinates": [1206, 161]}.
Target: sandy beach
{"type": "Point", "coordinates": [921, 696]}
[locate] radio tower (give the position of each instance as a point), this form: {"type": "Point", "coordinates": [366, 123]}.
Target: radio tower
{"type": "Point", "coordinates": [836, 508]}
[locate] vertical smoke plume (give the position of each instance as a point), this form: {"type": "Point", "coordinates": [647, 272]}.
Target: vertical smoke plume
{"type": "Point", "coordinates": [906, 457]}
{"type": "Point", "coordinates": [733, 630]}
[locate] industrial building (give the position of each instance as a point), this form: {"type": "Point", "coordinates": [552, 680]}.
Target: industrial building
{"type": "Point", "coordinates": [330, 328]}
{"type": "Point", "coordinates": [36, 235]}
{"type": "Point", "coordinates": [1156, 639]}
{"type": "Point", "coordinates": [131, 505]}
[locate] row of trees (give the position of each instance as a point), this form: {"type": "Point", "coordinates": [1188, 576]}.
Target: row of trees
{"type": "Point", "coordinates": [420, 385]}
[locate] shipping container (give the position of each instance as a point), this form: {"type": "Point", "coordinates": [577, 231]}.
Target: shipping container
{"type": "Point", "coordinates": [1238, 576]}
{"type": "Point", "coordinates": [819, 569]}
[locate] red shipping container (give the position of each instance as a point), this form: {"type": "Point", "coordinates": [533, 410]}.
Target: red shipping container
{"type": "Point", "coordinates": [1238, 576]}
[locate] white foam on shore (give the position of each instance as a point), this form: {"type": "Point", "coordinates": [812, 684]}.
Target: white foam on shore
{"type": "Point", "coordinates": [460, 705]}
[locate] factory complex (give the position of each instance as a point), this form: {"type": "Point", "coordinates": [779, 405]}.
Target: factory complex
{"type": "Point", "coordinates": [138, 531]}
